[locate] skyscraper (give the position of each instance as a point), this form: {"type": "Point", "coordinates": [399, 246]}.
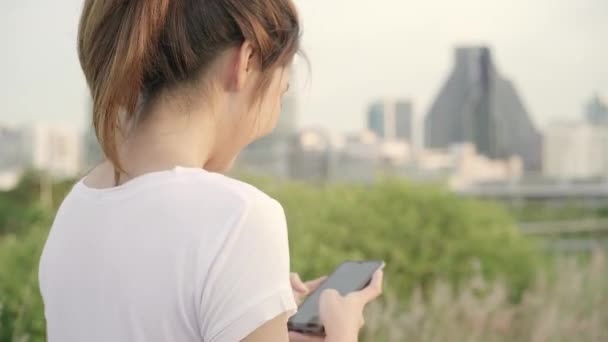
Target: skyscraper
{"type": "Point", "coordinates": [596, 111]}
{"type": "Point", "coordinates": [478, 105]}
{"type": "Point", "coordinates": [391, 120]}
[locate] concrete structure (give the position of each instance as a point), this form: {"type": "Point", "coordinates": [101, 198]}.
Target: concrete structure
{"type": "Point", "coordinates": [478, 105]}
{"type": "Point", "coordinates": [391, 120]}
{"type": "Point", "coordinates": [589, 195]}
{"type": "Point", "coordinates": [596, 111]}
{"type": "Point", "coordinates": [52, 149]}
{"type": "Point", "coordinates": [575, 151]}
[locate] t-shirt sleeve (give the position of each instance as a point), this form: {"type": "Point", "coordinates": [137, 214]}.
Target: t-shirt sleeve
{"type": "Point", "coordinates": [248, 284]}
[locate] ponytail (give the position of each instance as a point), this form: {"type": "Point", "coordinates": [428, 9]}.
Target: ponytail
{"type": "Point", "coordinates": [117, 41]}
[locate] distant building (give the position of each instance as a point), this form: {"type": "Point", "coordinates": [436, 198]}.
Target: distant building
{"type": "Point", "coordinates": [478, 105]}
{"type": "Point", "coordinates": [92, 154]}
{"type": "Point", "coordinates": [52, 149]}
{"type": "Point", "coordinates": [596, 111]}
{"type": "Point", "coordinates": [358, 158]}
{"type": "Point", "coordinates": [11, 156]}
{"type": "Point", "coordinates": [269, 155]}
{"type": "Point", "coordinates": [575, 151]}
{"type": "Point", "coordinates": [317, 157]}
{"type": "Point", "coordinates": [391, 120]}
{"type": "Point", "coordinates": [310, 156]}
{"type": "Point", "coordinates": [11, 148]}
{"type": "Point", "coordinates": [460, 166]}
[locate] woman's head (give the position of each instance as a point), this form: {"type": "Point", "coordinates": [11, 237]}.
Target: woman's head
{"type": "Point", "coordinates": [229, 55]}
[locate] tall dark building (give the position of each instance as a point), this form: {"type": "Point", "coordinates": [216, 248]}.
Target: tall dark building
{"type": "Point", "coordinates": [478, 105]}
{"type": "Point", "coordinates": [391, 120]}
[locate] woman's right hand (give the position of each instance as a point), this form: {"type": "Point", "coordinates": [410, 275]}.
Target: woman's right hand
{"type": "Point", "coordinates": [342, 316]}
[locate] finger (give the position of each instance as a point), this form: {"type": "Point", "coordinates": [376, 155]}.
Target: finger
{"type": "Point", "coordinates": [373, 290]}
{"type": "Point", "coordinates": [314, 284]}
{"type": "Point", "coordinates": [297, 284]}
{"type": "Point", "coordinates": [297, 337]}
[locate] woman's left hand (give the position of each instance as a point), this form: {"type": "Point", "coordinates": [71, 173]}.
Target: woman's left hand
{"type": "Point", "coordinates": [300, 291]}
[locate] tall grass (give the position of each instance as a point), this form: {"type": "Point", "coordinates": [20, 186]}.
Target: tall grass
{"type": "Point", "coordinates": [567, 304]}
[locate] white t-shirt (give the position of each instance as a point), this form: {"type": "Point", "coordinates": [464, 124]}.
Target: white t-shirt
{"type": "Point", "coordinates": [181, 255]}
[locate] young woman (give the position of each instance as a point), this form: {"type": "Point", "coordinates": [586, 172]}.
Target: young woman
{"type": "Point", "coordinates": [155, 244]}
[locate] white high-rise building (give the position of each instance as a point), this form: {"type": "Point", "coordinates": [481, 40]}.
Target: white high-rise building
{"type": "Point", "coordinates": [53, 149]}
{"type": "Point", "coordinates": [575, 151]}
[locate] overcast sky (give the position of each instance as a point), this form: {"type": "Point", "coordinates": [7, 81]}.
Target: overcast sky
{"type": "Point", "coordinates": [555, 51]}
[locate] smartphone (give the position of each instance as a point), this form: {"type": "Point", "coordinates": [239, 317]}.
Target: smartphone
{"type": "Point", "coordinates": [349, 277]}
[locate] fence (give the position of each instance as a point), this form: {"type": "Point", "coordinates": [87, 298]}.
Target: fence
{"type": "Point", "coordinates": [569, 236]}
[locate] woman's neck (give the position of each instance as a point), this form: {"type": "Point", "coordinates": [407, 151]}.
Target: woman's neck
{"type": "Point", "coordinates": [166, 138]}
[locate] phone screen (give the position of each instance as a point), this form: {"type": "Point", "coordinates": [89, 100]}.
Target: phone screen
{"type": "Point", "coordinates": [350, 276]}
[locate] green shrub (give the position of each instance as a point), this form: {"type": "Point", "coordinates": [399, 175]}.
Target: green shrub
{"type": "Point", "coordinates": [21, 310]}
{"type": "Point", "coordinates": [423, 232]}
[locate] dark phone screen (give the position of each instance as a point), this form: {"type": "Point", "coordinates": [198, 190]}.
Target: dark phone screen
{"type": "Point", "coordinates": [350, 276]}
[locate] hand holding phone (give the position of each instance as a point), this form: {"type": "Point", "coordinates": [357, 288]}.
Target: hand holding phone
{"type": "Point", "coordinates": [336, 307]}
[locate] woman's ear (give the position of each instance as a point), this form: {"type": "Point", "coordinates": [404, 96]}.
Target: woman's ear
{"type": "Point", "coordinates": [242, 66]}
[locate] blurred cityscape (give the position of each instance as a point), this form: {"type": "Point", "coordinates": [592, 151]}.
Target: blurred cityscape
{"type": "Point", "coordinates": [478, 138]}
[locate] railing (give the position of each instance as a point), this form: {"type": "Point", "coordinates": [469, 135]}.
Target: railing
{"type": "Point", "coordinates": [565, 227]}
{"type": "Point", "coordinates": [570, 236]}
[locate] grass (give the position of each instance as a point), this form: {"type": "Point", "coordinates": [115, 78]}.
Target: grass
{"type": "Point", "coordinates": [567, 304]}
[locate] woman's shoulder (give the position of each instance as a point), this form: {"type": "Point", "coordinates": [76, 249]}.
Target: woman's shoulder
{"type": "Point", "coordinates": [223, 192]}
{"type": "Point", "coordinates": [209, 184]}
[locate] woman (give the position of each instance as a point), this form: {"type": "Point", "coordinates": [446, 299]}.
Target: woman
{"type": "Point", "coordinates": [155, 244]}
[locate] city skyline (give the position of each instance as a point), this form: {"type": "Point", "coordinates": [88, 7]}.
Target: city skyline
{"type": "Point", "coordinates": [554, 51]}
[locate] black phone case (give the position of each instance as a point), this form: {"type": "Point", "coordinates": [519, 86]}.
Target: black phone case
{"type": "Point", "coordinates": [318, 329]}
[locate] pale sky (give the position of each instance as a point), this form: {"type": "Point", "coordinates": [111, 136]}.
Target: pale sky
{"type": "Point", "coordinates": [555, 51]}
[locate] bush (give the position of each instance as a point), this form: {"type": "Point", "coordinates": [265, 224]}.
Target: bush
{"type": "Point", "coordinates": [21, 310]}
{"type": "Point", "coordinates": [21, 208]}
{"type": "Point", "coordinates": [424, 233]}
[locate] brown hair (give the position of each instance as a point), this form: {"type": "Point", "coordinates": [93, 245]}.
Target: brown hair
{"type": "Point", "coordinates": [132, 49]}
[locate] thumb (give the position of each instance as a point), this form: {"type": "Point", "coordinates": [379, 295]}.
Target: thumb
{"type": "Point", "coordinates": [297, 284]}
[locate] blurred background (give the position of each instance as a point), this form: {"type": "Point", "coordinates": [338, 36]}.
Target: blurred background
{"type": "Point", "coordinates": [464, 142]}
